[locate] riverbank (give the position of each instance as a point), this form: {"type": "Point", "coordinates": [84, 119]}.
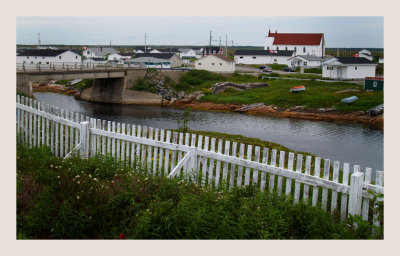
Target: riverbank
{"type": "Point", "coordinates": [296, 112]}
{"type": "Point", "coordinates": [258, 109]}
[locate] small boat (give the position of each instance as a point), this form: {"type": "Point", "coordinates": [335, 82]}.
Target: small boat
{"type": "Point", "coordinates": [75, 81]}
{"type": "Point", "coordinates": [349, 99]}
{"type": "Point", "coordinates": [376, 111]}
{"type": "Point", "coordinates": [298, 88]}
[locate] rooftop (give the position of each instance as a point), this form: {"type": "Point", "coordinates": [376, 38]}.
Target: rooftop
{"type": "Point", "coordinates": [296, 38]}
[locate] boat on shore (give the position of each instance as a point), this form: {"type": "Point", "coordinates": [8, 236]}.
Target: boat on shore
{"type": "Point", "coordinates": [298, 88]}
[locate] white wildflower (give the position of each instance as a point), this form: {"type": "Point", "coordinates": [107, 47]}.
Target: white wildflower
{"type": "Point", "coordinates": [58, 177]}
{"type": "Point", "coordinates": [77, 197]}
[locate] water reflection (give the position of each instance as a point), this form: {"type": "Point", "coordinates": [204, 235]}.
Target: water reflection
{"type": "Point", "coordinates": [344, 142]}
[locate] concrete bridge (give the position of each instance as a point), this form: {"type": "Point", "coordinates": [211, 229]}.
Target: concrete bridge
{"type": "Point", "coordinates": [109, 83]}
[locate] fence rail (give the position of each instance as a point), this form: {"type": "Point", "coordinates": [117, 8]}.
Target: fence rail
{"type": "Point", "coordinates": [208, 161]}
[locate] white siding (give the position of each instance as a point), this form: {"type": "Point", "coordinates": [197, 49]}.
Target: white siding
{"type": "Point", "coordinates": [349, 72]}
{"type": "Point", "coordinates": [259, 59]}
{"type": "Point", "coordinates": [215, 64]}
{"type": "Point", "coordinates": [65, 57]}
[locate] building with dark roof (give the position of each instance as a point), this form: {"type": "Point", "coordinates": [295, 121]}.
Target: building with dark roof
{"type": "Point", "coordinates": [348, 68]}
{"type": "Point", "coordinates": [173, 58]}
{"type": "Point", "coordinates": [48, 56]}
{"type": "Point", "coordinates": [263, 57]}
{"type": "Point", "coordinates": [300, 43]}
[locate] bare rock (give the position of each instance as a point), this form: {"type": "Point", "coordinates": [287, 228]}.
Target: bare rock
{"type": "Point", "coordinates": [220, 87]}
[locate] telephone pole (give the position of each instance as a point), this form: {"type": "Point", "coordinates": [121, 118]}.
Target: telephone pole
{"type": "Point", "coordinates": [232, 43]}
{"type": "Point", "coordinates": [226, 45]}
{"type": "Point", "coordinates": [39, 40]}
{"type": "Point", "coordinates": [145, 42]}
{"type": "Point", "coordinates": [210, 41]}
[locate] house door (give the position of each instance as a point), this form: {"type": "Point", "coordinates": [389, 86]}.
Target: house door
{"type": "Point", "coordinates": [339, 73]}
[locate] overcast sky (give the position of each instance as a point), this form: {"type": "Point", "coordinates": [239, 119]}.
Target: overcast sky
{"type": "Point", "coordinates": [339, 31]}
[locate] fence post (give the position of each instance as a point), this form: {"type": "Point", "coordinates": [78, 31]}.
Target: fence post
{"type": "Point", "coordinates": [84, 136]}
{"type": "Point", "coordinates": [355, 193]}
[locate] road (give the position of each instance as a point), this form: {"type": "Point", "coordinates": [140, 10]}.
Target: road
{"type": "Point", "coordinates": [256, 71]}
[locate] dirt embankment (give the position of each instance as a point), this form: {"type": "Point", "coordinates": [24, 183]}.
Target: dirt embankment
{"type": "Point", "coordinates": [48, 87]}
{"type": "Point", "coordinates": [296, 112]}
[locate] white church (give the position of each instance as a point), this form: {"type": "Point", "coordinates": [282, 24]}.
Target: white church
{"type": "Point", "coordinates": [306, 44]}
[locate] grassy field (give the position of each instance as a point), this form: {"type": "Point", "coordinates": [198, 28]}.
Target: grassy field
{"type": "Point", "coordinates": [102, 198]}
{"type": "Point", "coordinates": [317, 94]}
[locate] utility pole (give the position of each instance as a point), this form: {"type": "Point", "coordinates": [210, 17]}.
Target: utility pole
{"type": "Point", "coordinates": [39, 40]}
{"type": "Point", "coordinates": [226, 45]}
{"type": "Point", "coordinates": [232, 43]}
{"type": "Point", "coordinates": [145, 42]}
{"type": "Point", "coordinates": [337, 54]}
{"type": "Point", "coordinates": [210, 42]}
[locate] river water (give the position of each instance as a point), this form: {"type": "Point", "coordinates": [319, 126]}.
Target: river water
{"type": "Point", "coordinates": [339, 141]}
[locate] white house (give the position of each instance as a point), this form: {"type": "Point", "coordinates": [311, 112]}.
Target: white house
{"type": "Point", "coordinates": [98, 52]}
{"type": "Point", "coordinates": [365, 54]}
{"type": "Point", "coordinates": [348, 68]}
{"type": "Point", "coordinates": [187, 53]}
{"type": "Point", "coordinates": [300, 43]}
{"type": "Point", "coordinates": [120, 56]}
{"type": "Point", "coordinates": [215, 63]}
{"type": "Point", "coordinates": [150, 62]}
{"type": "Point", "coordinates": [306, 61]}
{"type": "Point", "coordinates": [47, 56]}
{"type": "Point", "coordinates": [173, 58]}
{"type": "Point", "coordinates": [142, 49]}
{"type": "Point", "coordinates": [381, 60]}
{"type": "Point", "coordinates": [263, 57]}
{"type": "Point", "coordinates": [95, 61]}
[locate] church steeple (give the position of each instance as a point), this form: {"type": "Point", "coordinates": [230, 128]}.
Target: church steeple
{"type": "Point", "coordinates": [269, 32]}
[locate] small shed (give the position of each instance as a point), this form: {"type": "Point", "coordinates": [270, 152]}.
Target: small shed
{"type": "Point", "coordinates": [373, 83]}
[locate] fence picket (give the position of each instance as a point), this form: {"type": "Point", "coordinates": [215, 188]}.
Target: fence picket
{"type": "Point", "coordinates": [178, 174]}
{"type": "Point", "coordinates": [109, 139]}
{"type": "Point", "coordinates": [39, 122]}
{"type": "Point", "coordinates": [128, 145]}
{"type": "Point", "coordinates": [204, 162]}
{"type": "Point", "coordinates": [225, 168]}
{"type": "Point", "coordinates": [118, 150]}
{"type": "Point", "coordinates": [193, 144]}
{"type": "Point", "coordinates": [133, 161]}
{"type": "Point", "coordinates": [166, 162]}
{"type": "Point", "coordinates": [34, 125]}
{"type": "Point", "coordinates": [233, 167]}
{"type": "Point", "coordinates": [187, 143]}
{"type": "Point", "coordinates": [378, 182]}
{"type": "Point", "coordinates": [57, 134]}
{"type": "Point", "coordinates": [173, 152]}
{"type": "Point", "coordinates": [248, 170]}
{"type": "Point", "coordinates": [264, 174]}
{"type": "Point", "coordinates": [150, 149]}
{"type": "Point", "coordinates": [271, 175]}
{"type": "Point", "coordinates": [18, 116]}
{"type": "Point", "coordinates": [324, 200]}
{"type": "Point", "coordinates": [317, 171]}
{"type": "Point", "coordinates": [103, 140]}
{"type": "Point", "coordinates": [113, 129]}
{"type": "Point", "coordinates": [155, 152]}
{"type": "Point", "coordinates": [211, 166]}
{"type": "Point", "coordinates": [30, 139]}
{"type": "Point", "coordinates": [123, 131]}
{"type": "Point", "coordinates": [345, 181]}
{"type": "Point", "coordinates": [138, 146]}
{"type": "Point", "coordinates": [280, 178]}
{"type": "Point", "coordinates": [160, 160]}
{"type": "Point", "coordinates": [335, 178]}
{"type": "Point", "coordinates": [218, 165]}
{"type": "Point", "coordinates": [256, 159]}
{"type": "Point", "coordinates": [308, 172]}
{"type": "Point", "coordinates": [92, 139]}
{"type": "Point", "coordinates": [47, 109]}
{"type": "Point", "coordinates": [145, 131]}
{"type": "Point", "coordinates": [288, 189]}
{"type": "Point", "coordinates": [77, 135]}
{"type": "Point", "coordinates": [98, 139]}
{"type": "Point", "coordinates": [299, 165]}
{"type": "Point", "coordinates": [61, 134]}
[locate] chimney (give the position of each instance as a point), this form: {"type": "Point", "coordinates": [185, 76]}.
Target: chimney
{"type": "Point", "coordinates": [101, 48]}
{"type": "Point", "coordinates": [276, 31]}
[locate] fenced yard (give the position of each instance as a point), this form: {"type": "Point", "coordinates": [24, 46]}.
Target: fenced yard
{"type": "Point", "coordinates": [208, 161]}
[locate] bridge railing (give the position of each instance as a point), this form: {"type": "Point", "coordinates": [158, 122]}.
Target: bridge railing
{"type": "Point", "coordinates": [213, 162]}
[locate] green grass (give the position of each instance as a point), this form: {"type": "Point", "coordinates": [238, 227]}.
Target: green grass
{"type": "Point", "coordinates": [313, 70]}
{"type": "Point", "coordinates": [102, 198]}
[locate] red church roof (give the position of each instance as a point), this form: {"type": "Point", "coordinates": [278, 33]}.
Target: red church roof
{"type": "Point", "coordinates": [296, 38]}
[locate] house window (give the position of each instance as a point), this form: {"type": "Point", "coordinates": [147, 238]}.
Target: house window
{"type": "Point", "coordinates": [241, 57]}
{"type": "Point", "coordinates": [47, 62]}
{"type": "Point", "coordinates": [43, 57]}
{"type": "Point", "coordinates": [277, 48]}
{"type": "Point", "coordinates": [275, 60]}
{"type": "Point", "coordinates": [286, 48]}
{"type": "Point", "coordinates": [305, 63]}
{"type": "Point", "coordinates": [35, 57]}
{"type": "Point", "coordinates": [220, 64]}
{"type": "Point", "coordinates": [88, 52]}
{"type": "Point", "coordinates": [212, 63]}
{"type": "Point", "coordinates": [27, 58]}
{"type": "Point", "coordinates": [59, 57]}
{"type": "Point", "coordinates": [375, 84]}
{"type": "Point", "coordinates": [254, 57]}
{"type": "Point", "coordinates": [355, 68]}
{"type": "Point", "coordinates": [304, 49]}
{"type": "Point", "coordinates": [268, 48]}
{"type": "Point", "coordinates": [199, 63]}
{"type": "Point", "coordinates": [31, 62]}
{"type": "Point", "coordinates": [295, 48]}
{"type": "Point", "coordinates": [76, 57]}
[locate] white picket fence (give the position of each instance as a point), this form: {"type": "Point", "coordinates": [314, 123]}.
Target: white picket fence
{"type": "Point", "coordinates": [211, 162]}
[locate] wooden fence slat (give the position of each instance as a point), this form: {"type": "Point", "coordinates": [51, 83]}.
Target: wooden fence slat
{"type": "Point", "coordinates": [18, 116]}
{"type": "Point", "coordinates": [187, 143]}
{"type": "Point", "coordinates": [160, 161]}
{"type": "Point", "coordinates": [167, 152]}
{"type": "Point", "coordinates": [181, 135]}
{"type": "Point", "coordinates": [173, 152]}
{"type": "Point", "coordinates": [34, 125]}
{"type": "Point", "coordinates": [204, 162]}
{"type": "Point", "coordinates": [308, 172]}
{"type": "Point", "coordinates": [256, 159]}
{"type": "Point", "coordinates": [324, 200]}
{"type": "Point", "coordinates": [77, 135]}
{"type": "Point", "coordinates": [156, 132]}
{"type": "Point", "coordinates": [47, 109]}
{"type": "Point", "coordinates": [299, 166]}
{"type": "Point", "coordinates": [345, 181]}
{"type": "Point", "coordinates": [288, 189]}
{"type": "Point", "coordinates": [149, 150]}
{"type": "Point", "coordinates": [317, 172]}
{"type": "Point", "coordinates": [92, 138]}
{"type": "Point", "coordinates": [98, 139]}
{"type": "Point", "coordinates": [39, 122]}
{"type": "Point", "coordinates": [199, 146]}
{"type": "Point", "coordinates": [123, 131]}
{"type": "Point", "coordinates": [118, 150]}
{"type": "Point", "coordinates": [103, 139]}
{"type": "Point", "coordinates": [113, 129]}
{"type": "Point", "coordinates": [240, 167]}
{"type": "Point", "coordinates": [271, 175]}
{"type": "Point", "coordinates": [62, 134]}
{"type": "Point", "coordinates": [218, 165]}
{"type": "Point", "coordinates": [30, 139]}
{"type": "Point", "coordinates": [225, 167]}
{"type": "Point", "coordinates": [248, 170]}
{"type": "Point", "coordinates": [128, 145]}
{"type": "Point", "coordinates": [264, 174]}
{"type": "Point", "coordinates": [138, 146]}
{"type": "Point", "coordinates": [66, 132]}
{"type": "Point", "coordinates": [193, 144]}
{"type": "Point", "coordinates": [70, 136]}
{"type": "Point", "coordinates": [26, 117]}
{"type": "Point", "coordinates": [335, 178]}
{"type": "Point", "coordinates": [280, 178]}
{"type": "Point", "coordinates": [43, 126]}
{"type": "Point", "coordinates": [365, 203]}
{"type": "Point", "coordinates": [145, 131]}
{"type": "Point", "coordinates": [109, 139]}
{"type": "Point", "coordinates": [211, 166]}
{"type": "Point", "coordinates": [233, 167]}
{"type": "Point", "coordinates": [133, 153]}
{"type": "Point", "coordinates": [57, 134]}
{"type": "Point", "coordinates": [378, 182]}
